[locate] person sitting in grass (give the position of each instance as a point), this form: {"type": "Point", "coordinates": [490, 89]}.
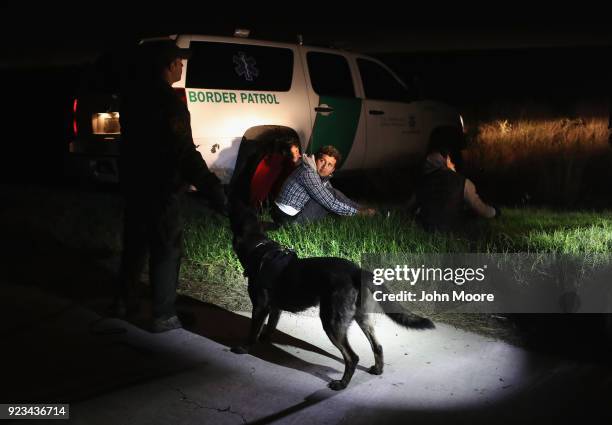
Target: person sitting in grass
{"type": "Point", "coordinates": [307, 194]}
{"type": "Point", "coordinates": [271, 173]}
{"type": "Point", "coordinates": [445, 198]}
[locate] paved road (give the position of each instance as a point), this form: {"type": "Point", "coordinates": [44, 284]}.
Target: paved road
{"type": "Point", "coordinates": [115, 372]}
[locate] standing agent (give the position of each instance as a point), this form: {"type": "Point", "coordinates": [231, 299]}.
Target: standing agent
{"type": "Point", "coordinates": [158, 163]}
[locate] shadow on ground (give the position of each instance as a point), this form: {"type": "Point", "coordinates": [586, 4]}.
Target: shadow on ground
{"type": "Point", "coordinates": [55, 319]}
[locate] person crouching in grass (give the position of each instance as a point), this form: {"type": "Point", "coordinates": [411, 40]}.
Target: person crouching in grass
{"type": "Point", "coordinates": [447, 200]}
{"type": "Point", "coordinates": [307, 194]}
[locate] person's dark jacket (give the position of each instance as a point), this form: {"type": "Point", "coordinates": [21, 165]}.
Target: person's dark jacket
{"type": "Point", "coordinates": [158, 157]}
{"type": "Point", "coordinates": [444, 196]}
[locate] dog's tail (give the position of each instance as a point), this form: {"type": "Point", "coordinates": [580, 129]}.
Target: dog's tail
{"type": "Point", "coordinates": [398, 313]}
{"type": "Point", "coordinates": [409, 320]}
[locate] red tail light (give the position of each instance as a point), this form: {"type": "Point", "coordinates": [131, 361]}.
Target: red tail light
{"type": "Point", "coordinates": [182, 94]}
{"type": "Point", "coordinates": [75, 127]}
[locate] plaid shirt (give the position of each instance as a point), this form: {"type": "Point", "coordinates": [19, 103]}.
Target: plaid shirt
{"type": "Point", "coordinates": [305, 184]}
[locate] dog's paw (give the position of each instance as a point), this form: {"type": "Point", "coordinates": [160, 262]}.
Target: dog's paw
{"type": "Point", "coordinates": [375, 370]}
{"type": "Point", "coordinates": [337, 385]}
{"type": "Point", "coordinates": [239, 350]}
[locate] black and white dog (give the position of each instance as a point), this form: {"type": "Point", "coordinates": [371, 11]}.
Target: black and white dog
{"type": "Point", "coordinates": [278, 280]}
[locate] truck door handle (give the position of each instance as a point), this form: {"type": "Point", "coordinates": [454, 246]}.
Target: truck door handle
{"type": "Point", "coordinates": [324, 109]}
{"type": "Point", "coordinates": [375, 112]}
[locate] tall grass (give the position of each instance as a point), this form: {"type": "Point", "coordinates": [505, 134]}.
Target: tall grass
{"type": "Point", "coordinates": [210, 258]}
{"type": "Point", "coordinates": [558, 162]}
{"type": "Point", "coordinates": [91, 223]}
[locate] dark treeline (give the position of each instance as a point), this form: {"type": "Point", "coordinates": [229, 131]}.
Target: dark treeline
{"type": "Point", "coordinates": [559, 78]}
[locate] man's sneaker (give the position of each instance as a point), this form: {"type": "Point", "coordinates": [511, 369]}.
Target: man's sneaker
{"type": "Point", "coordinates": [164, 325]}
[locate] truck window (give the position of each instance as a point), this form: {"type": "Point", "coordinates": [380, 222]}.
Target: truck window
{"type": "Point", "coordinates": [379, 84]}
{"type": "Point", "coordinates": [227, 66]}
{"type": "Point", "coordinates": [330, 74]}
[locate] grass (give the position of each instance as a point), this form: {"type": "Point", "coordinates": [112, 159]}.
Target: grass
{"type": "Point", "coordinates": [210, 259]}
{"type": "Point", "coordinates": [91, 223]}
{"type": "Point", "coordinates": [559, 162]}
{"type": "Point", "coordinates": [213, 274]}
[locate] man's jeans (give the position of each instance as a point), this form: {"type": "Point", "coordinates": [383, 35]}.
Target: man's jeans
{"type": "Point", "coordinates": [312, 211]}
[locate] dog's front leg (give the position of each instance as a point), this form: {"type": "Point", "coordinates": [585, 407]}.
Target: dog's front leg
{"type": "Point", "coordinates": [266, 336]}
{"type": "Point", "coordinates": [257, 321]}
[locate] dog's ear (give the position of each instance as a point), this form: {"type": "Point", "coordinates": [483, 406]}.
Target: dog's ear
{"type": "Point", "coordinates": [252, 225]}
{"type": "Point", "coordinates": [236, 240]}
{"type": "Point", "coordinates": [235, 208]}
{"type": "Point", "coordinates": [236, 211]}
{"type": "Point", "coordinates": [238, 245]}
{"type": "Point", "coordinates": [243, 219]}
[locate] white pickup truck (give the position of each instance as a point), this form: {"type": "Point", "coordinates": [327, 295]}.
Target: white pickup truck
{"type": "Point", "coordinates": [239, 90]}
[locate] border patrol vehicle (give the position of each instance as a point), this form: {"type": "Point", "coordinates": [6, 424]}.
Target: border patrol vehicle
{"type": "Point", "coordinates": [239, 90]}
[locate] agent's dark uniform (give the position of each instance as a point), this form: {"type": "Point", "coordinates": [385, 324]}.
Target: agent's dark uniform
{"type": "Point", "coordinates": [158, 163]}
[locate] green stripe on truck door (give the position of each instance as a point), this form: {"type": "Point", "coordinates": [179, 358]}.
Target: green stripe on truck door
{"type": "Point", "coordinates": [339, 127]}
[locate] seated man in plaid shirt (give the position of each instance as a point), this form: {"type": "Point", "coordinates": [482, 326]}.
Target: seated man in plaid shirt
{"type": "Point", "coordinates": [308, 195]}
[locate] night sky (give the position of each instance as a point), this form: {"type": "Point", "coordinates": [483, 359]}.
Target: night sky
{"type": "Point", "coordinates": [60, 35]}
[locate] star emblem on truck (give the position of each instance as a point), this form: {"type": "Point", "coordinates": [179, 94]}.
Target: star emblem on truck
{"type": "Point", "coordinates": [245, 66]}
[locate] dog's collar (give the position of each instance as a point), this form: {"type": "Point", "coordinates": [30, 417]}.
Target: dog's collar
{"type": "Point", "coordinates": [259, 244]}
{"type": "Point", "coordinates": [263, 242]}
